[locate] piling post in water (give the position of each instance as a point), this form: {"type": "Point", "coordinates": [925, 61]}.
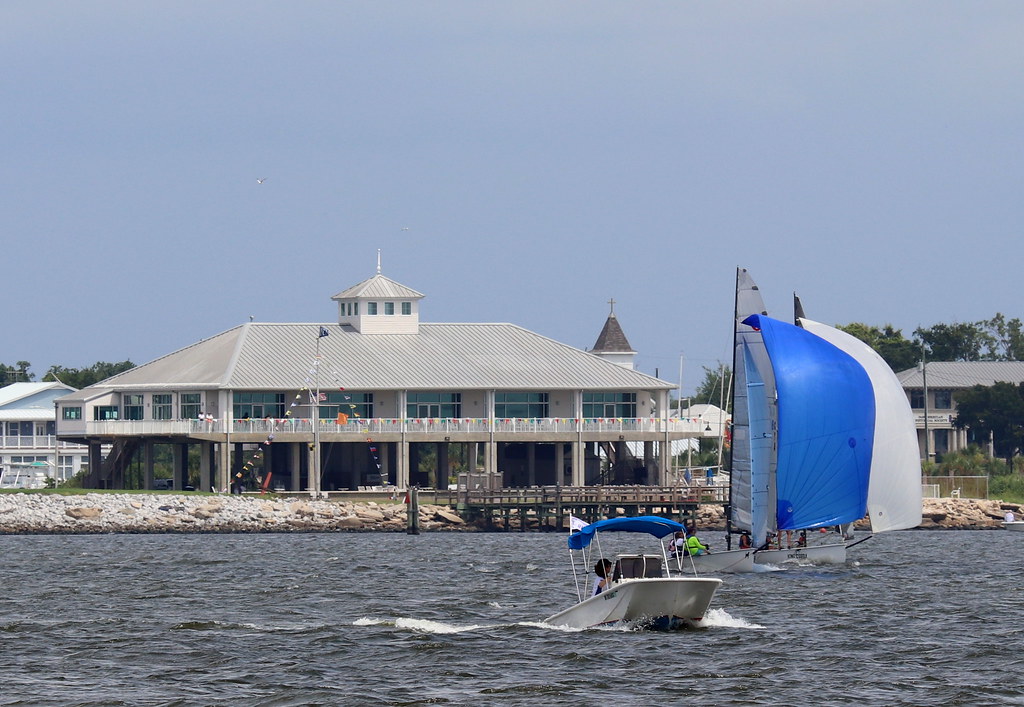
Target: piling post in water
{"type": "Point", "coordinates": [412, 511]}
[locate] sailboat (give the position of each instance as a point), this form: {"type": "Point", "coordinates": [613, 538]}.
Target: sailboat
{"type": "Point", "coordinates": [822, 434]}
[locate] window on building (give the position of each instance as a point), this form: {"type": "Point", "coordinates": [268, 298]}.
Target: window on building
{"type": "Point", "coordinates": [355, 405]}
{"type": "Point", "coordinates": [941, 439]}
{"type": "Point", "coordinates": [191, 405]}
{"type": "Point", "coordinates": [371, 309]}
{"type": "Point", "coordinates": [389, 308]}
{"type": "Point", "coordinates": [65, 468]}
{"type": "Point", "coordinates": [163, 406]}
{"type": "Point", "coordinates": [520, 404]}
{"type": "Point", "coordinates": [71, 413]}
{"type": "Point", "coordinates": [105, 412]}
{"type": "Point", "coordinates": [355, 309]}
{"type": "Point", "coordinates": [133, 406]}
{"type": "Point", "coordinates": [943, 399]}
{"type": "Point", "coordinates": [406, 308]}
{"type": "Point", "coordinates": [609, 404]}
{"type": "Point", "coordinates": [349, 309]}
{"type": "Point", "coordinates": [917, 399]}
{"type": "Point", "coordinates": [434, 404]}
{"type": "Point", "coordinates": [255, 405]}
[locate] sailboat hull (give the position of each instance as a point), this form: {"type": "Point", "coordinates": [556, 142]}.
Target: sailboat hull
{"type": "Point", "coordinates": [662, 603]}
{"type": "Point", "coordinates": [727, 561]}
{"type": "Point", "coordinates": [815, 554]}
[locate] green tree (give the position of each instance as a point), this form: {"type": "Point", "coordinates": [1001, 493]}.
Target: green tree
{"type": "Point", "coordinates": [996, 410]}
{"type": "Point", "coordinates": [710, 390]}
{"type": "Point", "coordinates": [956, 342]}
{"type": "Point", "coordinates": [888, 342]}
{"type": "Point", "coordinates": [84, 377]}
{"type": "Point", "coordinates": [18, 373]}
{"type": "Point", "coordinates": [1007, 340]}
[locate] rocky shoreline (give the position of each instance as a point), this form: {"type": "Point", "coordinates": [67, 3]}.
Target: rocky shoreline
{"type": "Point", "coordinates": [23, 513]}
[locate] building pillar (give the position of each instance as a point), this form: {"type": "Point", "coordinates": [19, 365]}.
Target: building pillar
{"type": "Point", "coordinates": [223, 466]}
{"type": "Point", "coordinates": [442, 465]}
{"type": "Point", "coordinates": [474, 453]}
{"type": "Point", "coordinates": [559, 464]}
{"type": "Point", "coordinates": [147, 464]}
{"type": "Point", "coordinates": [653, 472]}
{"type": "Point", "coordinates": [402, 465]}
{"type": "Point", "coordinates": [95, 462]}
{"type": "Point", "coordinates": [205, 466]}
{"type": "Point", "coordinates": [295, 465]}
{"type": "Point", "coordinates": [180, 465]}
{"type": "Point", "coordinates": [578, 468]}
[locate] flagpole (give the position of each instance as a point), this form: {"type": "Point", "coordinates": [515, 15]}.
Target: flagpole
{"type": "Point", "coordinates": [314, 482]}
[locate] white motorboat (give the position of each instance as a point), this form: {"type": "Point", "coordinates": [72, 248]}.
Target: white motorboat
{"type": "Point", "coordinates": [640, 592]}
{"type": "Point", "coordinates": [1017, 525]}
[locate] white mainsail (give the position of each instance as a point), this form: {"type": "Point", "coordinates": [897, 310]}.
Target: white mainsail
{"type": "Point", "coordinates": [749, 354]}
{"type": "Point", "coordinates": [894, 489]}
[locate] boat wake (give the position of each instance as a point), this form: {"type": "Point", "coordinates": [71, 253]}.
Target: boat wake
{"type": "Point", "coordinates": [720, 618]}
{"type": "Point", "coordinates": [422, 625]}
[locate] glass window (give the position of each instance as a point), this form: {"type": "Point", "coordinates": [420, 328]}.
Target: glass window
{"type": "Point", "coordinates": [133, 406]}
{"type": "Point", "coordinates": [943, 399]}
{"type": "Point", "coordinates": [355, 309]}
{"type": "Point", "coordinates": [389, 308]}
{"type": "Point", "coordinates": [520, 404]}
{"type": "Point", "coordinates": [71, 413]}
{"type": "Point", "coordinates": [371, 308]}
{"type": "Point", "coordinates": [345, 402]}
{"type": "Point", "coordinates": [941, 441]}
{"type": "Point", "coordinates": [406, 308]}
{"type": "Point", "coordinates": [609, 404]}
{"type": "Point", "coordinates": [105, 412]}
{"type": "Point", "coordinates": [255, 405]}
{"type": "Point", "coordinates": [917, 399]}
{"type": "Point", "coordinates": [434, 404]}
{"type": "Point", "coordinates": [162, 406]}
{"type": "Point", "coordinates": [65, 468]}
{"type": "Point", "coordinates": [191, 405]}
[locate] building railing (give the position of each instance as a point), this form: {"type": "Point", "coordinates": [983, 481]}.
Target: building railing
{"type": "Point", "coordinates": [34, 442]}
{"type": "Point", "coordinates": [692, 426]}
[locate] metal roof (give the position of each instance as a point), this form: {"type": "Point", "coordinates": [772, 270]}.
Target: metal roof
{"type": "Point", "coordinates": [11, 394]}
{"type": "Point", "coordinates": [380, 287]}
{"type": "Point", "coordinates": [964, 374]}
{"type": "Point", "coordinates": [28, 415]}
{"type": "Point", "coordinates": [271, 356]}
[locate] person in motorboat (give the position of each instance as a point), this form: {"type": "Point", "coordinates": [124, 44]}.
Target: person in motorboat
{"type": "Point", "coordinates": [1009, 517]}
{"type": "Point", "coordinates": [676, 544]}
{"type": "Point", "coordinates": [602, 572]}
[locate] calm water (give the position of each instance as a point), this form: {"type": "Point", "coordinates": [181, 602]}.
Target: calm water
{"type": "Point", "coordinates": [916, 618]}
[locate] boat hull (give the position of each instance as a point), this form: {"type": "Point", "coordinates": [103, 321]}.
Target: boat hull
{"type": "Point", "coordinates": [663, 603]}
{"type": "Point", "coordinates": [727, 561]}
{"type": "Point", "coordinates": [834, 554]}
{"type": "Point", "coordinates": [1017, 525]}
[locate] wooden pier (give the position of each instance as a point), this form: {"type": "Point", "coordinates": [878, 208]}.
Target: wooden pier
{"type": "Point", "coordinates": [549, 507]}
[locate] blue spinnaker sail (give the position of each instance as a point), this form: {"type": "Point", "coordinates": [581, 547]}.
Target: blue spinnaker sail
{"type": "Point", "coordinates": [826, 418]}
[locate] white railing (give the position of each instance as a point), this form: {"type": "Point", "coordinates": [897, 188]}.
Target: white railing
{"type": "Point", "coordinates": [33, 442]}
{"type": "Point", "coordinates": [442, 425]}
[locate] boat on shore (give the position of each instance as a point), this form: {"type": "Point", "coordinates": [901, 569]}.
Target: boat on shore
{"type": "Point", "coordinates": [640, 593]}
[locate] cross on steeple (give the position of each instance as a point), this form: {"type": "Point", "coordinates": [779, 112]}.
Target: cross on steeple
{"type": "Point", "coordinates": [612, 303]}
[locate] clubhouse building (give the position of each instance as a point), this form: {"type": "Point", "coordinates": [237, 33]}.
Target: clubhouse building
{"type": "Point", "coordinates": [376, 398]}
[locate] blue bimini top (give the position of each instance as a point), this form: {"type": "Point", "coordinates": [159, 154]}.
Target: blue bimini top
{"type": "Point", "coordinates": [658, 527]}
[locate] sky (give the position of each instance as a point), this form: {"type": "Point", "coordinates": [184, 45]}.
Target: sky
{"type": "Point", "coordinates": [520, 162]}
